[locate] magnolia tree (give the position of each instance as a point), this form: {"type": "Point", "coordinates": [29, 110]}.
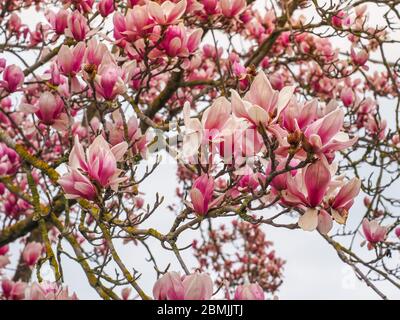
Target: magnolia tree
{"type": "Point", "coordinates": [275, 113]}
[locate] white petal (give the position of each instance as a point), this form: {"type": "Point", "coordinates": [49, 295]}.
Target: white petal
{"type": "Point", "coordinates": [309, 220]}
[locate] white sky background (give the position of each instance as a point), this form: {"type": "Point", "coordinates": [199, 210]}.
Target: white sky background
{"type": "Point", "coordinates": [312, 270]}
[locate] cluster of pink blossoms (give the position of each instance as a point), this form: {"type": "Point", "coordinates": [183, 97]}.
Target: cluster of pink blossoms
{"type": "Point", "coordinates": [235, 130]}
{"type": "Point", "coordinates": [198, 286]}
{"type": "Point", "coordinates": [36, 291]}
{"type": "Point", "coordinates": [20, 290]}
{"type": "Point", "coordinates": [98, 163]}
{"type": "Point", "coordinates": [269, 113]}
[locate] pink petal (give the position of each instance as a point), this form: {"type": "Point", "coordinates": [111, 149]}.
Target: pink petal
{"type": "Point", "coordinates": [156, 12]}
{"type": "Point", "coordinates": [119, 150]}
{"type": "Point", "coordinates": [325, 222]}
{"type": "Point", "coordinates": [317, 178]}
{"type": "Point", "coordinates": [197, 201]}
{"type": "Point", "coordinates": [283, 99]}
{"type": "Point", "coordinates": [347, 193]}
{"type": "Point", "coordinates": [331, 125]}
{"type": "Point", "coordinates": [238, 106]}
{"type": "Point", "coordinates": [177, 11]}
{"type": "Point", "coordinates": [261, 92]}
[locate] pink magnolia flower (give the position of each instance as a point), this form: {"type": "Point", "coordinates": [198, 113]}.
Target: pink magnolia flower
{"type": "Point", "coordinates": [397, 232]}
{"type": "Point", "coordinates": [49, 109]}
{"type": "Point", "coordinates": [139, 202]}
{"type": "Point", "coordinates": [261, 104]}
{"type": "Point", "coordinates": [76, 185]}
{"type": "Point", "coordinates": [297, 116]}
{"type": "Point", "coordinates": [197, 286]}
{"type": "Point", "coordinates": [15, 207]}
{"type": "Point", "coordinates": [216, 118]}
{"type": "Point", "coordinates": [13, 78]}
{"type": "Point", "coordinates": [137, 23]}
{"type": "Point", "coordinates": [70, 60]}
{"type": "Point", "coordinates": [135, 137]}
{"type": "Point", "coordinates": [344, 199]}
{"type": "Point", "coordinates": [119, 27]}
{"type": "Point", "coordinates": [125, 293]}
{"type": "Point", "coordinates": [315, 182]}
{"type": "Point", "coordinates": [376, 126]}
{"type": "Point", "coordinates": [169, 287]}
{"type": "Point", "coordinates": [117, 130]}
{"type": "Point", "coordinates": [55, 75]}
{"type": "Point", "coordinates": [241, 73]}
{"type": "Point", "coordinates": [140, 146]}
{"type": "Point", "coordinates": [8, 160]}
{"type": "Point", "coordinates": [109, 84]}
{"type": "Point", "coordinates": [211, 52]}
{"type": "Point", "coordinates": [373, 232]}
{"type": "Point", "coordinates": [95, 52]}
{"type": "Point", "coordinates": [58, 21]}
{"type": "Point", "coordinates": [277, 81]}
{"type": "Point", "coordinates": [77, 26]}
{"type": "Point", "coordinates": [177, 42]}
{"type": "Point", "coordinates": [347, 96]}
{"type": "Point", "coordinates": [106, 7]}
{"type": "Point", "coordinates": [166, 13]}
{"type": "Point", "coordinates": [38, 34]}
{"type": "Point", "coordinates": [308, 189]}
{"type": "Point", "coordinates": [216, 123]}
{"type": "Point", "coordinates": [14, 23]}
{"type": "Point", "coordinates": [32, 253]}
{"type": "Point", "coordinates": [360, 10]}
{"type": "Point", "coordinates": [232, 8]}
{"type": "Point", "coordinates": [249, 180]}
{"type": "Point", "coordinates": [210, 6]}
{"type": "Point", "coordinates": [99, 161]}
{"type": "Point", "coordinates": [201, 194]}
{"type": "Point", "coordinates": [110, 79]}
{"type": "Point", "coordinates": [359, 58]}
{"type": "Point", "coordinates": [396, 140]}
{"type": "Point", "coordinates": [48, 291]}
{"type": "Point", "coordinates": [250, 291]}
{"type": "Point", "coordinates": [324, 135]}
{"type": "Point", "coordinates": [341, 19]}
{"type": "Point", "coordinates": [13, 290]}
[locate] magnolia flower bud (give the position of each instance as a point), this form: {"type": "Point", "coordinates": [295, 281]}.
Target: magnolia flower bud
{"type": "Point", "coordinates": [13, 78]}
{"type": "Point", "coordinates": [31, 253]}
{"type": "Point", "coordinates": [250, 291]}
